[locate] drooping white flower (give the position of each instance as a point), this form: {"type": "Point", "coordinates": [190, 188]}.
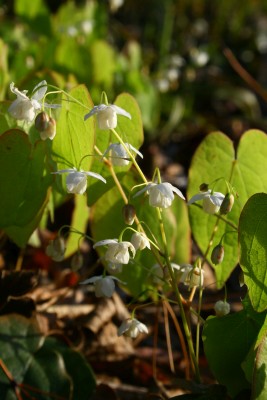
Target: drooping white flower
{"type": "Point", "coordinates": [119, 155]}
{"type": "Point", "coordinates": [140, 241]}
{"type": "Point", "coordinates": [195, 278]}
{"type": "Point", "coordinates": [160, 194]}
{"type": "Point", "coordinates": [24, 107]}
{"type": "Point", "coordinates": [117, 252]}
{"type": "Point", "coordinates": [221, 308]}
{"type": "Point", "coordinates": [211, 201]}
{"type": "Point", "coordinates": [132, 327]}
{"type": "Point", "coordinates": [107, 115]}
{"type": "Point", "coordinates": [76, 181]}
{"type": "Point", "coordinates": [56, 249]}
{"type": "Point", "coordinates": [104, 286]}
{"type": "Point", "coordinates": [161, 274]}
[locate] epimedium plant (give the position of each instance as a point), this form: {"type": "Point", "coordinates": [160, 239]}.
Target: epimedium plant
{"type": "Point", "coordinates": [140, 226]}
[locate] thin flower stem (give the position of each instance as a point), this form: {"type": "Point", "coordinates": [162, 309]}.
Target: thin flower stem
{"type": "Point", "coordinates": [168, 337]}
{"type": "Point", "coordinates": [130, 155]}
{"type": "Point", "coordinates": [68, 95]}
{"type": "Point", "coordinates": [155, 343]}
{"type": "Point", "coordinates": [219, 217]}
{"type": "Point", "coordinates": [198, 324]}
{"type": "Point", "coordinates": [179, 300]}
{"type": "Point", "coordinates": [181, 338]}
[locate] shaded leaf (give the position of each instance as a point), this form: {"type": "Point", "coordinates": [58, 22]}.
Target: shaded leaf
{"type": "Point", "coordinates": [253, 245]}
{"type": "Point", "coordinates": [25, 181]}
{"type": "Point", "coordinates": [226, 346]}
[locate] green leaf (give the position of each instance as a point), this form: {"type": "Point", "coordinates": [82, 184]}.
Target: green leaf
{"type": "Point", "coordinates": [47, 375]}
{"type": "Point", "coordinates": [131, 131]}
{"type": "Point", "coordinates": [75, 138]}
{"type": "Point", "coordinates": [25, 180]}
{"type": "Point", "coordinates": [103, 63]}
{"type": "Point", "coordinates": [44, 368]}
{"type": "Point", "coordinates": [19, 339]}
{"type": "Point", "coordinates": [215, 158]}
{"type": "Point", "coordinates": [77, 368]}
{"type": "Point", "coordinates": [79, 221]}
{"type": "Point", "coordinates": [253, 245]}
{"type": "Point", "coordinates": [259, 383]}
{"type": "Point", "coordinates": [226, 346]}
{"type": "Point", "coordinates": [107, 223]}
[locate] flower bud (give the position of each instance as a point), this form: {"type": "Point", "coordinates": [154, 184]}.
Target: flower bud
{"type": "Point", "coordinates": [50, 131]}
{"type": "Point", "coordinates": [56, 249]}
{"type": "Point", "coordinates": [221, 308]}
{"type": "Point", "coordinates": [129, 213]}
{"type": "Point", "coordinates": [217, 254]}
{"type": "Point", "coordinates": [196, 278]}
{"type": "Point", "coordinates": [227, 204]}
{"type": "Point", "coordinates": [140, 241]}
{"type": "Point", "coordinates": [76, 261]}
{"type": "Point", "coordinates": [204, 187]}
{"type": "Point", "coordinates": [41, 121]}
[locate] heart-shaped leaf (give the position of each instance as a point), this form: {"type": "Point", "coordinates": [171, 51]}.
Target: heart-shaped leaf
{"type": "Point", "coordinates": [246, 171]}
{"type": "Point", "coordinates": [25, 180]}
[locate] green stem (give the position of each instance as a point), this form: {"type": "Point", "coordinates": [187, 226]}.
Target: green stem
{"type": "Point", "coordinates": [130, 155]}
{"type": "Point", "coordinates": [219, 217]}
{"type": "Point", "coordinates": [179, 301]}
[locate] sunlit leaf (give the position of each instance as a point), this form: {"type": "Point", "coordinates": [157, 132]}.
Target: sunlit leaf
{"type": "Point", "coordinates": [215, 158]}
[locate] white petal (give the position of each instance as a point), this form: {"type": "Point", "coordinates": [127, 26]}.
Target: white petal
{"type": "Point", "coordinates": [147, 187]}
{"type": "Point", "coordinates": [63, 171]}
{"type": "Point", "coordinates": [135, 150]}
{"type": "Point", "coordinates": [196, 197]}
{"type": "Point", "coordinates": [91, 280]}
{"type": "Point", "coordinates": [104, 242]}
{"type": "Point", "coordinates": [95, 175]}
{"type": "Point", "coordinates": [95, 110]}
{"type": "Point", "coordinates": [17, 92]}
{"type": "Point", "coordinates": [178, 192]}
{"type": "Point", "coordinates": [120, 111]}
{"type": "Point", "coordinates": [142, 327]}
{"type": "Point", "coordinates": [39, 91]}
{"type": "Point", "coordinates": [36, 105]}
{"type": "Point", "coordinates": [217, 198]}
{"type": "Point", "coordinates": [166, 189]}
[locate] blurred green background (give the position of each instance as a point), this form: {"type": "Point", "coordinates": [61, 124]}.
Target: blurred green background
{"type": "Point", "coordinates": [170, 55]}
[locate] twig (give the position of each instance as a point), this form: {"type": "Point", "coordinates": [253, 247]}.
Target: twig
{"type": "Point", "coordinates": [244, 74]}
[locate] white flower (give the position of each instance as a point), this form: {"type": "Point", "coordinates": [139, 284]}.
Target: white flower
{"type": "Point", "coordinates": [140, 241]}
{"type": "Point", "coordinates": [115, 4]}
{"type": "Point", "coordinates": [56, 249]}
{"type": "Point", "coordinates": [221, 308]}
{"type": "Point", "coordinates": [119, 155]}
{"type": "Point", "coordinates": [24, 107]}
{"type": "Point", "coordinates": [211, 201]}
{"type": "Point", "coordinates": [107, 115]}
{"type": "Point", "coordinates": [104, 286]}
{"type": "Point", "coordinates": [77, 180]}
{"type": "Point", "coordinates": [117, 252]}
{"type": "Point", "coordinates": [132, 327]}
{"type": "Point", "coordinates": [183, 272]}
{"type": "Point", "coordinates": [160, 194]}
{"type": "Point", "coordinates": [159, 274]}
{"type": "Point", "coordinates": [195, 278]}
